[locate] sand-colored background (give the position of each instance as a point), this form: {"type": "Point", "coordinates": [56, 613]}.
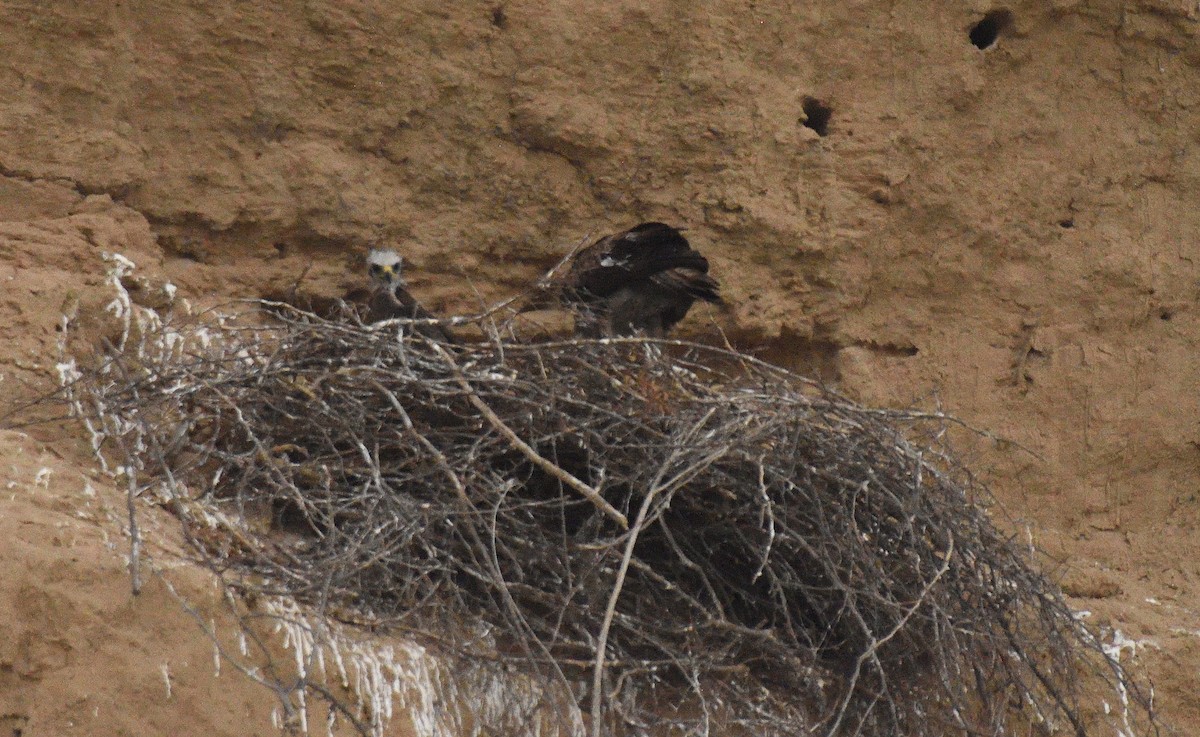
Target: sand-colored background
{"type": "Point", "coordinates": [1010, 232]}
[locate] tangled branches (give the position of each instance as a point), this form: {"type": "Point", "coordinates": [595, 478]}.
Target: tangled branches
{"type": "Point", "coordinates": [667, 533]}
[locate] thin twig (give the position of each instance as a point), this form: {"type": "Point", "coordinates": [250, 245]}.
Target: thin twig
{"type": "Point", "coordinates": [556, 471]}
{"type": "Point", "coordinates": [135, 535]}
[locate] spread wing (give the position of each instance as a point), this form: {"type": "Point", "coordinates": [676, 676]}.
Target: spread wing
{"type": "Point", "coordinates": [650, 252]}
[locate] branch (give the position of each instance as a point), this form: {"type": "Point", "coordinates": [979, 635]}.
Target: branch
{"type": "Point", "coordinates": [494, 420]}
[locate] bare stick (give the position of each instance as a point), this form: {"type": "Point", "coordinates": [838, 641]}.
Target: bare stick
{"type": "Point", "coordinates": [610, 609]}
{"type": "Point", "coordinates": [557, 472]}
{"type": "Point", "coordinates": [130, 465]}
{"type": "Point", "coordinates": [135, 535]}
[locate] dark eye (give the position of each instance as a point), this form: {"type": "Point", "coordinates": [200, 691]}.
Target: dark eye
{"type": "Point", "coordinates": [375, 268]}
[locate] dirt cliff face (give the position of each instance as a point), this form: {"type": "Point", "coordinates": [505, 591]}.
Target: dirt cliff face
{"type": "Point", "coordinates": [990, 207]}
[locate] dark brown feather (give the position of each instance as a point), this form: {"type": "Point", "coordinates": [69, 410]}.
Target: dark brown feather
{"type": "Point", "coordinates": [398, 303]}
{"type": "Point", "coordinates": [644, 279]}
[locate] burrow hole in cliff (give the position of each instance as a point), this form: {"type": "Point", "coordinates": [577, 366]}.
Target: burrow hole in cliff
{"type": "Point", "coordinates": [984, 33]}
{"type": "Point", "coordinates": [817, 115]}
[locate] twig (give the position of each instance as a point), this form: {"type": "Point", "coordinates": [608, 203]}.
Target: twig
{"type": "Point", "coordinates": [135, 535]}
{"type": "Point", "coordinates": [656, 487]}
{"type": "Point", "coordinates": [557, 472]}
{"type": "Point", "coordinates": [611, 608]}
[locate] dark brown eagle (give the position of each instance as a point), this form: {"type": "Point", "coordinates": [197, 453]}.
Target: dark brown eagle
{"type": "Point", "coordinates": [640, 281]}
{"type": "Point", "coordinates": [390, 299]}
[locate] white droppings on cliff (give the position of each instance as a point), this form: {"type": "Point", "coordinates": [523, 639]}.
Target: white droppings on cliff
{"type": "Point", "coordinates": [403, 677]}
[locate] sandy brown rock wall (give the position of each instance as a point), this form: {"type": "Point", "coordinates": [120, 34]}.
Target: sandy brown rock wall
{"type": "Point", "coordinates": [1012, 232]}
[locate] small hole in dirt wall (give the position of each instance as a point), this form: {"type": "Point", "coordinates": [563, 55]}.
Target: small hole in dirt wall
{"type": "Point", "coordinates": [817, 115]}
{"type": "Point", "coordinates": [986, 32]}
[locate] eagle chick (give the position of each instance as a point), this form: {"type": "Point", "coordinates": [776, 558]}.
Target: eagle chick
{"type": "Point", "coordinates": [390, 299]}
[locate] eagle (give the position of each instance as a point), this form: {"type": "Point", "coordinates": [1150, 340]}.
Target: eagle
{"type": "Point", "coordinates": [390, 299]}
{"type": "Point", "coordinates": [639, 281]}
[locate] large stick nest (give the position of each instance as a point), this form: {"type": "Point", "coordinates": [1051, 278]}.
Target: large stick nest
{"type": "Point", "coordinates": [733, 543]}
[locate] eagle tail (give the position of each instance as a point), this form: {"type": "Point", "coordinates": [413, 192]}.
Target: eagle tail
{"type": "Point", "coordinates": [703, 287]}
{"type": "Point", "coordinates": [694, 283]}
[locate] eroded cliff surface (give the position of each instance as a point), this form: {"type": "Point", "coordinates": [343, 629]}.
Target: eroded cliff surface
{"type": "Point", "coordinates": [1010, 231]}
